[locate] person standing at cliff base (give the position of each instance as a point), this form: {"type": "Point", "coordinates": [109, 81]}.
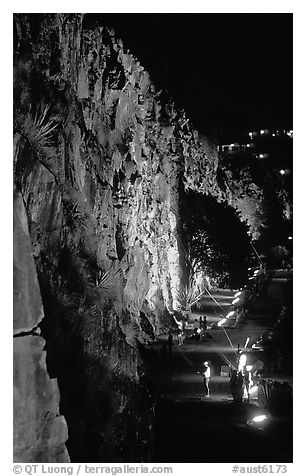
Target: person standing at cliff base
{"type": "Point", "coordinates": [206, 378]}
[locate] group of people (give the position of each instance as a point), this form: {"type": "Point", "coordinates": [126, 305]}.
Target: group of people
{"type": "Point", "coordinates": [239, 382]}
{"type": "Point", "coordinates": [242, 380]}
{"type": "Point", "coordinates": [200, 327]}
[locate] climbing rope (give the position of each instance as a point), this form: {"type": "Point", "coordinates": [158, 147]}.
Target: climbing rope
{"type": "Point", "coordinates": [214, 299]}
{"type": "Point", "coordinates": [226, 360]}
{"type": "Point", "coordinates": [227, 336]}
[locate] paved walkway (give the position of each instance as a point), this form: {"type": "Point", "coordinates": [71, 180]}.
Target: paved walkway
{"type": "Point", "coordinates": [183, 381]}
{"type": "Point", "coordinates": [191, 428]}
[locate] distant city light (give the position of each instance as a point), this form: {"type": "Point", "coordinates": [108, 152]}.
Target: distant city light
{"type": "Point", "coordinates": [261, 156]}
{"type": "Point", "coordinates": [248, 145]}
{"type": "Point", "coordinates": [282, 172]}
{"type": "Point", "coordinates": [273, 135]}
{"type": "Point", "coordinates": [262, 131]}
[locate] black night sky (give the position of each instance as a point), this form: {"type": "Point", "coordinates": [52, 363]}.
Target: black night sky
{"type": "Point", "coordinates": [230, 72]}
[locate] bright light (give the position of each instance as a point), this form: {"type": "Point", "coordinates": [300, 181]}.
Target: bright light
{"type": "Point", "coordinates": [235, 300]}
{"type": "Point", "coordinates": [248, 145]}
{"type": "Point", "coordinates": [230, 314]}
{"type": "Point", "coordinates": [246, 342]}
{"type": "Point", "coordinates": [221, 322]}
{"type": "Point", "coordinates": [237, 294]}
{"type": "Point", "coordinates": [232, 145]}
{"type": "Point", "coordinates": [199, 331]}
{"type": "Point", "coordinates": [252, 277]}
{"type": "Point", "coordinates": [249, 368]}
{"type": "Point", "coordinates": [273, 135]}
{"type": "Point", "coordinates": [256, 271]}
{"type": "Point", "coordinates": [289, 237]}
{"type": "Point", "coordinates": [282, 172]}
{"type": "Point", "coordinates": [242, 362]}
{"type": "Point", "coordinates": [253, 389]}
{"type": "Point", "coordinates": [249, 269]}
{"type": "Point", "coordinates": [262, 131]}
{"type": "Point", "coordinates": [251, 134]}
{"type": "Point", "coordinates": [260, 418]}
{"type": "Point", "coordinates": [261, 156]}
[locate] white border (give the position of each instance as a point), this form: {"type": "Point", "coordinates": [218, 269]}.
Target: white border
{"type": "Point", "coordinates": [296, 7]}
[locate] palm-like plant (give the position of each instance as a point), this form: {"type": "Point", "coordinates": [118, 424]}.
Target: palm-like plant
{"type": "Point", "coordinates": [39, 131]}
{"type": "Point", "coordinates": [109, 283]}
{"type": "Point", "coordinates": [188, 296]}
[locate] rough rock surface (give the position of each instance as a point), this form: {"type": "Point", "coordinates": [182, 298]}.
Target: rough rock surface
{"type": "Point", "coordinates": [39, 431]}
{"type": "Point", "coordinates": [100, 160]}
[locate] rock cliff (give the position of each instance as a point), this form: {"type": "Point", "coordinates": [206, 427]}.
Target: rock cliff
{"type": "Point", "coordinates": [100, 161]}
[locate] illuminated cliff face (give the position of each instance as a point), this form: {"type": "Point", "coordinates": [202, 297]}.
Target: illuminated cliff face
{"type": "Point", "coordinates": [99, 162]}
{"type": "Point", "coordinates": [113, 160]}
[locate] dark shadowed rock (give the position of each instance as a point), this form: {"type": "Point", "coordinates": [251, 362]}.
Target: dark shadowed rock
{"type": "Point", "coordinates": [40, 431]}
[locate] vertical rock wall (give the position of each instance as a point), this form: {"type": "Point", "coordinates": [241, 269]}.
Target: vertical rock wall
{"type": "Point", "coordinates": [99, 163]}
